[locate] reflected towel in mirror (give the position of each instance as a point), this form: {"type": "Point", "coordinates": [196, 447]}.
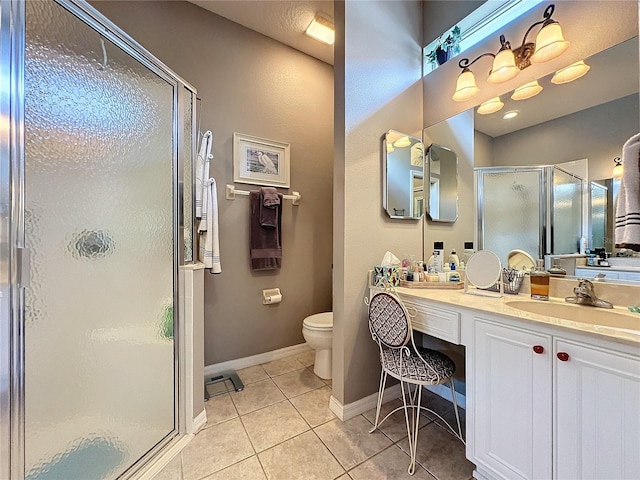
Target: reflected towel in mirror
{"type": "Point", "coordinates": [627, 230]}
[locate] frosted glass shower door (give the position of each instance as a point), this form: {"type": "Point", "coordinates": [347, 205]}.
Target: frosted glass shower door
{"type": "Point", "coordinates": [510, 210]}
{"type": "Point", "coordinates": [100, 375]}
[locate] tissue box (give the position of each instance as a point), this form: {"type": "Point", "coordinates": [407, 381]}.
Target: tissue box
{"type": "Point", "coordinates": [387, 274]}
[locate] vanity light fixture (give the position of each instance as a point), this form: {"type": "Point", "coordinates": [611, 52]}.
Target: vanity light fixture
{"type": "Point", "coordinates": [618, 169]}
{"type": "Point", "coordinates": [510, 114]}
{"type": "Point", "coordinates": [508, 62]}
{"type": "Point", "coordinates": [402, 142]}
{"type": "Point", "coordinates": [490, 106]}
{"type": "Point", "coordinates": [321, 28]}
{"type": "Point", "coordinates": [527, 90]}
{"type": "Point", "coordinates": [570, 73]}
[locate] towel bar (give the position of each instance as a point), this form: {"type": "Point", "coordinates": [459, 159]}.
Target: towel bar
{"type": "Point", "coordinates": [232, 192]}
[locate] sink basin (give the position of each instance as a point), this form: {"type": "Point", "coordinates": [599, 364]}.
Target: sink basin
{"type": "Point", "coordinates": [612, 318]}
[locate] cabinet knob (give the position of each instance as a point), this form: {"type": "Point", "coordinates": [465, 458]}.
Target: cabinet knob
{"type": "Point", "coordinates": [562, 356]}
{"type": "Point", "coordinates": [538, 349]}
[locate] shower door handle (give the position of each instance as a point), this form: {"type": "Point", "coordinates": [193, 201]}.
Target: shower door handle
{"type": "Point", "coordinates": [24, 267]}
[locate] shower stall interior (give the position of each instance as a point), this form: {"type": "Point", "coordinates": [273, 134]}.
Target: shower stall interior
{"type": "Point", "coordinates": [95, 221]}
{"type": "Point", "coordinates": [537, 209]}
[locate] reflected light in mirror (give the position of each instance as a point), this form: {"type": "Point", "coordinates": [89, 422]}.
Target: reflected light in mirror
{"type": "Point", "coordinates": [570, 73]}
{"type": "Point", "coordinates": [490, 106]}
{"type": "Point", "coordinates": [550, 43]}
{"type": "Point", "coordinates": [527, 90]}
{"type": "Point", "coordinates": [618, 169]}
{"type": "Point", "coordinates": [510, 114]}
{"type": "Point", "coordinates": [402, 142]}
{"type": "Point", "coordinates": [466, 87]}
{"type": "Point", "coordinates": [504, 67]}
{"type": "Point", "coordinates": [321, 28]}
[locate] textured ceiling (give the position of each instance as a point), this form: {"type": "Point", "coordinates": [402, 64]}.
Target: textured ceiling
{"type": "Point", "coordinates": [282, 20]}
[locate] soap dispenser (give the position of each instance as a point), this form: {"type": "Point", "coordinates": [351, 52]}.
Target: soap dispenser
{"type": "Point", "coordinates": [539, 282]}
{"type": "Point", "coordinates": [454, 259]}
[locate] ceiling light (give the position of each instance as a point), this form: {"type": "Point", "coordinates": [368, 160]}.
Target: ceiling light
{"type": "Point", "coordinates": [490, 106]}
{"type": "Point", "coordinates": [508, 62]}
{"type": "Point", "coordinates": [321, 28]}
{"type": "Point", "coordinates": [527, 90]}
{"type": "Point", "coordinates": [510, 114]}
{"type": "Point", "coordinates": [570, 73]}
{"type": "Point", "coordinates": [618, 169]}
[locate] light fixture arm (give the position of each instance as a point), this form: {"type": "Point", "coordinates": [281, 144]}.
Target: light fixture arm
{"type": "Point", "coordinates": [466, 63]}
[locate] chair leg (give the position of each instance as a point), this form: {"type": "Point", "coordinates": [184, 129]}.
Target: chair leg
{"type": "Point", "coordinates": [455, 407]}
{"type": "Point", "coordinates": [383, 381]}
{"type": "Point", "coordinates": [413, 434]}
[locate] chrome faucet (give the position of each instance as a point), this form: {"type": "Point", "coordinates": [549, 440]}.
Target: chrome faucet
{"type": "Point", "coordinates": [585, 295]}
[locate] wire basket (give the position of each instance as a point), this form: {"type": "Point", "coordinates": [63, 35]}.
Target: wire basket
{"type": "Point", "coordinates": [512, 281]}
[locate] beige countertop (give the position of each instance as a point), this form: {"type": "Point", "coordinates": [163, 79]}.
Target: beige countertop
{"type": "Point", "coordinates": [499, 306]}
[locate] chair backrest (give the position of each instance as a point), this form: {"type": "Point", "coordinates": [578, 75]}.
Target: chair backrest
{"type": "Point", "coordinates": [388, 320]}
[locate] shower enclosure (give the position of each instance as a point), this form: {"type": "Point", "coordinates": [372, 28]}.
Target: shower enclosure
{"type": "Point", "coordinates": [95, 221]}
{"type": "Point", "coordinates": [537, 209]}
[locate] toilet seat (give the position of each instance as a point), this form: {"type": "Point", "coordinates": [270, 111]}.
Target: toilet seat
{"type": "Point", "coordinates": [319, 321]}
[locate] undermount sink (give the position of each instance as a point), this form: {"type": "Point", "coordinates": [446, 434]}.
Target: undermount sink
{"type": "Point", "coordinates": [616, 318]}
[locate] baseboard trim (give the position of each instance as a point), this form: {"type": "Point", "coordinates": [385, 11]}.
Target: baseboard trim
{"type": "Point", "coordinates": [350, 410]}
{"type": "Point", "coordinates": [239, 363]}
{"type": "Point", "coordinates": [163, 460]}
{"type": "Point", "coordinates": [199, 421]}
{"type": "Point", "coordinates": [445, 392]}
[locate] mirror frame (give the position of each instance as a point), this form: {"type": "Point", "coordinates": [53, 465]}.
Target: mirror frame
{"type": "Point", "coordinates": [429, 167]}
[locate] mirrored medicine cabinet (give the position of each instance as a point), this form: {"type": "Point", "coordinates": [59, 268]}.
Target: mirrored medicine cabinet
{"type": "Point", "coordinates": [442, 205]}
{"type": "Point", "coordinates": [403, 182]}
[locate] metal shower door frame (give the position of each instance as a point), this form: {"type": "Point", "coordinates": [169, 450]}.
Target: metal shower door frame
{"type": "Point", "coordinates": [14, 259]}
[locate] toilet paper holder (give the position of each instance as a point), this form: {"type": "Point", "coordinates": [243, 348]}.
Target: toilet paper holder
{"type": "Point", "coordinates": [271, 296]}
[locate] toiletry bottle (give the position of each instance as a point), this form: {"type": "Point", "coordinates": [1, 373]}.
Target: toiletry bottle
{"type": "Point", "coordinates": [454, 260]}
{"type": "Point", "coordinates": [468, 251]}
{"type": "Point", "coordinates": [438, 256]}
{"type": "Point", "coordinates": [447, 271]}
{"type": "Point", "coordinates": [462, 270]}
{"type": "Point", "coordinates": [539, 282]}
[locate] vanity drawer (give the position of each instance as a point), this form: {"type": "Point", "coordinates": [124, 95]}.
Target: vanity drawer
{"type": "Point", "coordinates": [436, 321]}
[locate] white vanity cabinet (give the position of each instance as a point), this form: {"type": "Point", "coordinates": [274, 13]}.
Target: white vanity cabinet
{"type": "Point", "coordinates": [512, 401]}
{"type": "Point", "coordinates": [609, 272]}
{"type": "Point", "coordinates": [548, 407]}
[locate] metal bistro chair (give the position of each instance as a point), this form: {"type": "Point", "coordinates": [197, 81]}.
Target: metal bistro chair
{"type": "Point", "coordinates": [390, 327]}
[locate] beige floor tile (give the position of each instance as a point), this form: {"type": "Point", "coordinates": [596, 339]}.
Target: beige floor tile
{"type": "Point", "coordinates": [444, 408]}
{"type": "Point", "coordinates": [252, 374]}
{"type": "Point", "coordinates": [298, 382]}
{"type": "Point", "coordinates": [307, 358]}
{"type": "Point", "coordinates": [257, 395]}
{"type": "Point", "coordinates": [314, 406]}
{"type": "Point", "coordinates": [219, 409]}
{"type": "Point", "coordinates": [215, 448]}
{"type": "Point", "coordinates": [346, 476]}
{"type": "Point", "coordinates": [282, 366]}
{"type": "Point", "coordinates": [394, 427]}
{"type": "Point", "coordinates": [302, 457]}
{"type": "Point", "coordinates": [273, 424]}
{"type": "Point", "coordinates": [442, 454]}
{"type": "Point", "coordinates": [249, 469]}
{"type": "Point", "coordinates": [172, 471]}
{"type": "Point", "coordinates": [390, 463]}
{"type": "Point", "coordinates": [350, 441]}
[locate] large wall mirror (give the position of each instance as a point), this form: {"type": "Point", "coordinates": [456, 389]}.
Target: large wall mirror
{"type": "Point", "coordinates": [442, 205]}
{"type": "Point", "coordinates": [403, 185]}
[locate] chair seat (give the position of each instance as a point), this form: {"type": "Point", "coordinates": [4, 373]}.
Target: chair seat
{"type": "Point", "coordinates": [414, 369]}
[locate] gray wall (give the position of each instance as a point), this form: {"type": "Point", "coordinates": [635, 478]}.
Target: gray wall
{"type": "Point", "coordinates": [596, 134]}
{"type": "Point", "coordinates": [378, 87]}
{"type": "Point", "coordinates": [251, 84]}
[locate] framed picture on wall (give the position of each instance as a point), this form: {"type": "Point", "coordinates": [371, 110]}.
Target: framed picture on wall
{"type": "Point", "coordinates": [259, 161]}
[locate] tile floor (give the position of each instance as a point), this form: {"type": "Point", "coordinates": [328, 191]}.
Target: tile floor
{"type": "Point", "coordinates": [280, 428]}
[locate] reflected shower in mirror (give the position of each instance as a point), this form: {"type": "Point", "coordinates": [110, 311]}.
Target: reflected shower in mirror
{"type": "Point", "coordinates": [443, 184]}
{"type": "Point", "coordinates": [403, 195]}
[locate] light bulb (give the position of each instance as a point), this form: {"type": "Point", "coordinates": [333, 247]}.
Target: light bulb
{"type": "Point", "coordinates": [466, 87]}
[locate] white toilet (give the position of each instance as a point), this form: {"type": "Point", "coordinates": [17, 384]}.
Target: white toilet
{"type": "Point", "coordinates": [318, 332]}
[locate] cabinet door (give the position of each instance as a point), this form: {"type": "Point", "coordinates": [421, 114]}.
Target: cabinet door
{"type": "Point", "coordinates": [597, 407]}
{"type": "Point", "coordinates": [512, 401]}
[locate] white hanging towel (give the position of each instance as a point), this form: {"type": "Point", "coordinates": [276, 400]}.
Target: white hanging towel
{"type": "Point", "coordinates": [627, 230]}
{"type": "Point", "coordinates": [208, 228]}
{"type": "Point", "coordinates": [202, 169]}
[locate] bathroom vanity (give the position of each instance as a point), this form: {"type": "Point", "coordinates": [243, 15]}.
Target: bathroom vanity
{"type": "Point", "coordinates": [547, 397]}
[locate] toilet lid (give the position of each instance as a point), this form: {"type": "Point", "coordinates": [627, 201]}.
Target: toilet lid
{"type": "Point", "coordinates": [319, 320]}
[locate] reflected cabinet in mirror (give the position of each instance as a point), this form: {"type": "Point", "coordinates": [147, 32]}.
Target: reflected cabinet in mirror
{"type": "Point", "coordinates": [443, 184]}
{"type": "Point", "coordinates": [403, 195]}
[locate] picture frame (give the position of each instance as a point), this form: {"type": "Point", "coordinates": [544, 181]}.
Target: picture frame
{"type": "Point", "coordinates": [259, 161]}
